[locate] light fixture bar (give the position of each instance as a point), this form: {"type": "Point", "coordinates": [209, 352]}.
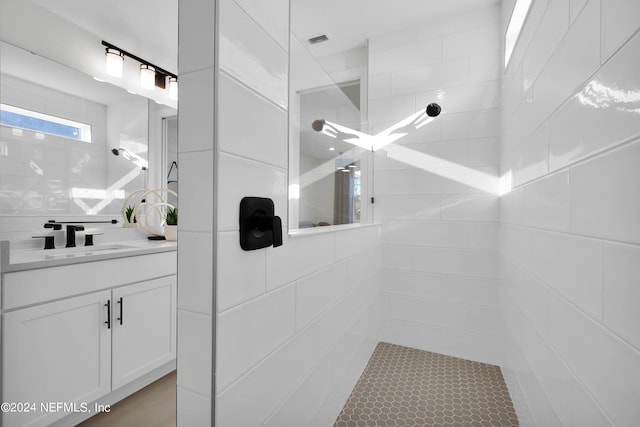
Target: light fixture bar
{"type": "Point", "coordinates": [140, 60]}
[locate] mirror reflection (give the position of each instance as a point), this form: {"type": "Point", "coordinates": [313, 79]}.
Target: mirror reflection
{"type": "Point", "coordinates": [76, 138]}
{"type": "Point", "coordinates": [328, 166]}
{"type": "Point", "coordinates": [69, 145]}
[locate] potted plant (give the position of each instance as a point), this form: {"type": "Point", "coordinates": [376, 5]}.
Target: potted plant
{"type": "Point", "coordinates": [129, 217]}
{"type": "Point", "coordinates": [171, 227]}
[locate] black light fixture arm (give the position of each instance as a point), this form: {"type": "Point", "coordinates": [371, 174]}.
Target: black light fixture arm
{"type": "Point", "coordinates": [140, 60]}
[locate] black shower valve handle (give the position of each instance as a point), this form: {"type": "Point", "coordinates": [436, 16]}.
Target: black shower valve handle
{"type": "Point", "coordinates": [259, 226]}
{"type": "Point", "coordinates": [266, 222]}
{"type": "Point", "coordinates": [277, 231]}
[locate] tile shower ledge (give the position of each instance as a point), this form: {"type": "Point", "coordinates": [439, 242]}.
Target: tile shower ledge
{"type": "Point", "coordinates": [32, 259]}
{"type": "Point", "coordinates": [301, 232]}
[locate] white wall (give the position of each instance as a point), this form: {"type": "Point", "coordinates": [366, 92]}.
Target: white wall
{"type": "Point", "coordinates": [296, 324]}
{"type": "Point", "coordinates": [570, 229]}
{"type": "Point", "coordinates": [37, 175]}
{"type": "Point", "coordinates": [435, 189]}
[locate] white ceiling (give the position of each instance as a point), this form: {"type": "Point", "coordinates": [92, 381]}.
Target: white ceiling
{"type": "Point", "coordinates": [24, 65]}
{"type": "Point", "coordinates": [146, 28]}
{"type": "Point", "coordinates": [348, 23]}
{"type": "Point", "coordinates": [149, 28]}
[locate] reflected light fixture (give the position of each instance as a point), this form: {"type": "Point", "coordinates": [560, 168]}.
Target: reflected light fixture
{"type": "Point", "coordinates": [115, 62]}
{"type": "Point", "coordinates": [173, 88]}
{"type": "Point", "coordinates": [150, 75]}
{"type": "Point", "coordinates": [147, 76]}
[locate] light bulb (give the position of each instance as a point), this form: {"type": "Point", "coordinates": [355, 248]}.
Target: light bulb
{"type": "Point", "coordinates": [114, 62]}
{"type": "Point", "coordinates": [173, 88]}
{"type": "Point", "coordinates": [147, 76]}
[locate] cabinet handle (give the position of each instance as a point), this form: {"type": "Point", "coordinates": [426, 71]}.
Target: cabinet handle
{"type": "Point", "coordinates": [108, 322]}
{"type": "Point", "coordinates": [121, 305]}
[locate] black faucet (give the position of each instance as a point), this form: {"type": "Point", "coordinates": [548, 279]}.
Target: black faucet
{"type": "Point", "coordinates": [71, 235]}
{"type": "Point", "coordinates": [49, 240]}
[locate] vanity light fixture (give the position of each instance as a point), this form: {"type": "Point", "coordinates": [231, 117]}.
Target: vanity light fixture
{"type": "Point", "coordinates": [115, 62]}
{"type": "Point", "coordinates": [147, 76]}
{"type": "Point", "coordinates": [150, 75]}
{"type": "Point", "coordinates": [173, 88]}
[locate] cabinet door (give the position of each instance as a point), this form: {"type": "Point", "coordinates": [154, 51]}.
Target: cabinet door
{"type": "Point", "coordinates": [144, 330]}
{"type": "Point", "coordinates": [59, 352]}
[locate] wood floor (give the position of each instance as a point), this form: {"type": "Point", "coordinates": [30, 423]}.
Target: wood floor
{"type": "Point", "coordinates": [153, 406]}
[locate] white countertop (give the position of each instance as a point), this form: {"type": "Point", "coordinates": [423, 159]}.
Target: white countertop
{"type": "Point", "coordinates": [30, 259]}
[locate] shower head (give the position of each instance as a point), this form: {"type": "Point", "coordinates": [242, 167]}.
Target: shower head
{"type": "Point", "coordinates": [433, 110]}
{"type": "Point", "coordinates": [132, 157]}
{"type": "Point", "coordinates": [318, 125]}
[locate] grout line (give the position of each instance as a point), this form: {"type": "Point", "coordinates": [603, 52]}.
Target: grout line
{"type": "Point", "coordinates": [227, 72]}
{"type": "Point", "coordinates": [243, 157]}
{"type": "Point", "coordinates": [263, 29]}
{"type": "Point", "coordinates": [571, 234]}
{"type": "Point", "coordinates": [599, 153]}
{"type": "Point", "coordinates": [441, 299]}
{"type": "Point", "coordinates": [602, 281]}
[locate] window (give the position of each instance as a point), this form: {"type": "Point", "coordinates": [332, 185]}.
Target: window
{"type": "Point", "coordinates": [21, 118]}
{"type": "Point", "coordinates": [516, 22]}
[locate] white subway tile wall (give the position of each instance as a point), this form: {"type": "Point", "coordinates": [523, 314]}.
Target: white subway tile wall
{"type": "Point", "coordinates": [436, 188]}
{"type": "Point", "coordinates": [40, 171]}
{"type": "Point", "coordinates": [249, 54]}
{"type": "Point", "coordinates": [196, 257]}
{"type": "Point", "coordinates": [570, 229]}
{"type": "Point", "coordinates": [291, 322]}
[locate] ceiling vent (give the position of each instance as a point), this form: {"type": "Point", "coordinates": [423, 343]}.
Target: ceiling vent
{"type": "Point", "coordinates": [318, 39]}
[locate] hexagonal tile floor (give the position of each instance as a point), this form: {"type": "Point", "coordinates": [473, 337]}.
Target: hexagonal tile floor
{"type": "Point", "coordinates": [403, 386]}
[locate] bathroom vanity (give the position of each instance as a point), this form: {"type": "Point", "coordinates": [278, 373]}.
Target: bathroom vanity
{"type": "Point", "coordinates": [84, 327]}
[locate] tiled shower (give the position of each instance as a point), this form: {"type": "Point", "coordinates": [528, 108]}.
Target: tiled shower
{"type": "Point", "coordinates": [570, 228]}
{"type": "Point", "coordinates": [536, 276]}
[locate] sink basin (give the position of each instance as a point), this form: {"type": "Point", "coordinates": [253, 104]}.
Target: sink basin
{"type": "Point", "coordinates": [30, 255]}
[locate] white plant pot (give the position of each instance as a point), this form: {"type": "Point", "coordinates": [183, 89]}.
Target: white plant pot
{"type": "Point", "coordinates": [171, 232]}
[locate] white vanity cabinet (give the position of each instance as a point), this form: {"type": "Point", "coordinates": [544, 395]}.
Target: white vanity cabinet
{"type": "Point", "coordinates": [85, 346]}
{"type": "Point", "coordinates": [144, 329]}
{"type": "Point", "coordinates": [55, 352]}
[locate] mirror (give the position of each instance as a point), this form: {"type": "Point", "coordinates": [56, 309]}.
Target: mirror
{"type": "Point", "coordinates": [71, 144]}
{"type": "Point", "coordinates": [330, 166]}
{"type": "Point", "coordinates": [59, 129]}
